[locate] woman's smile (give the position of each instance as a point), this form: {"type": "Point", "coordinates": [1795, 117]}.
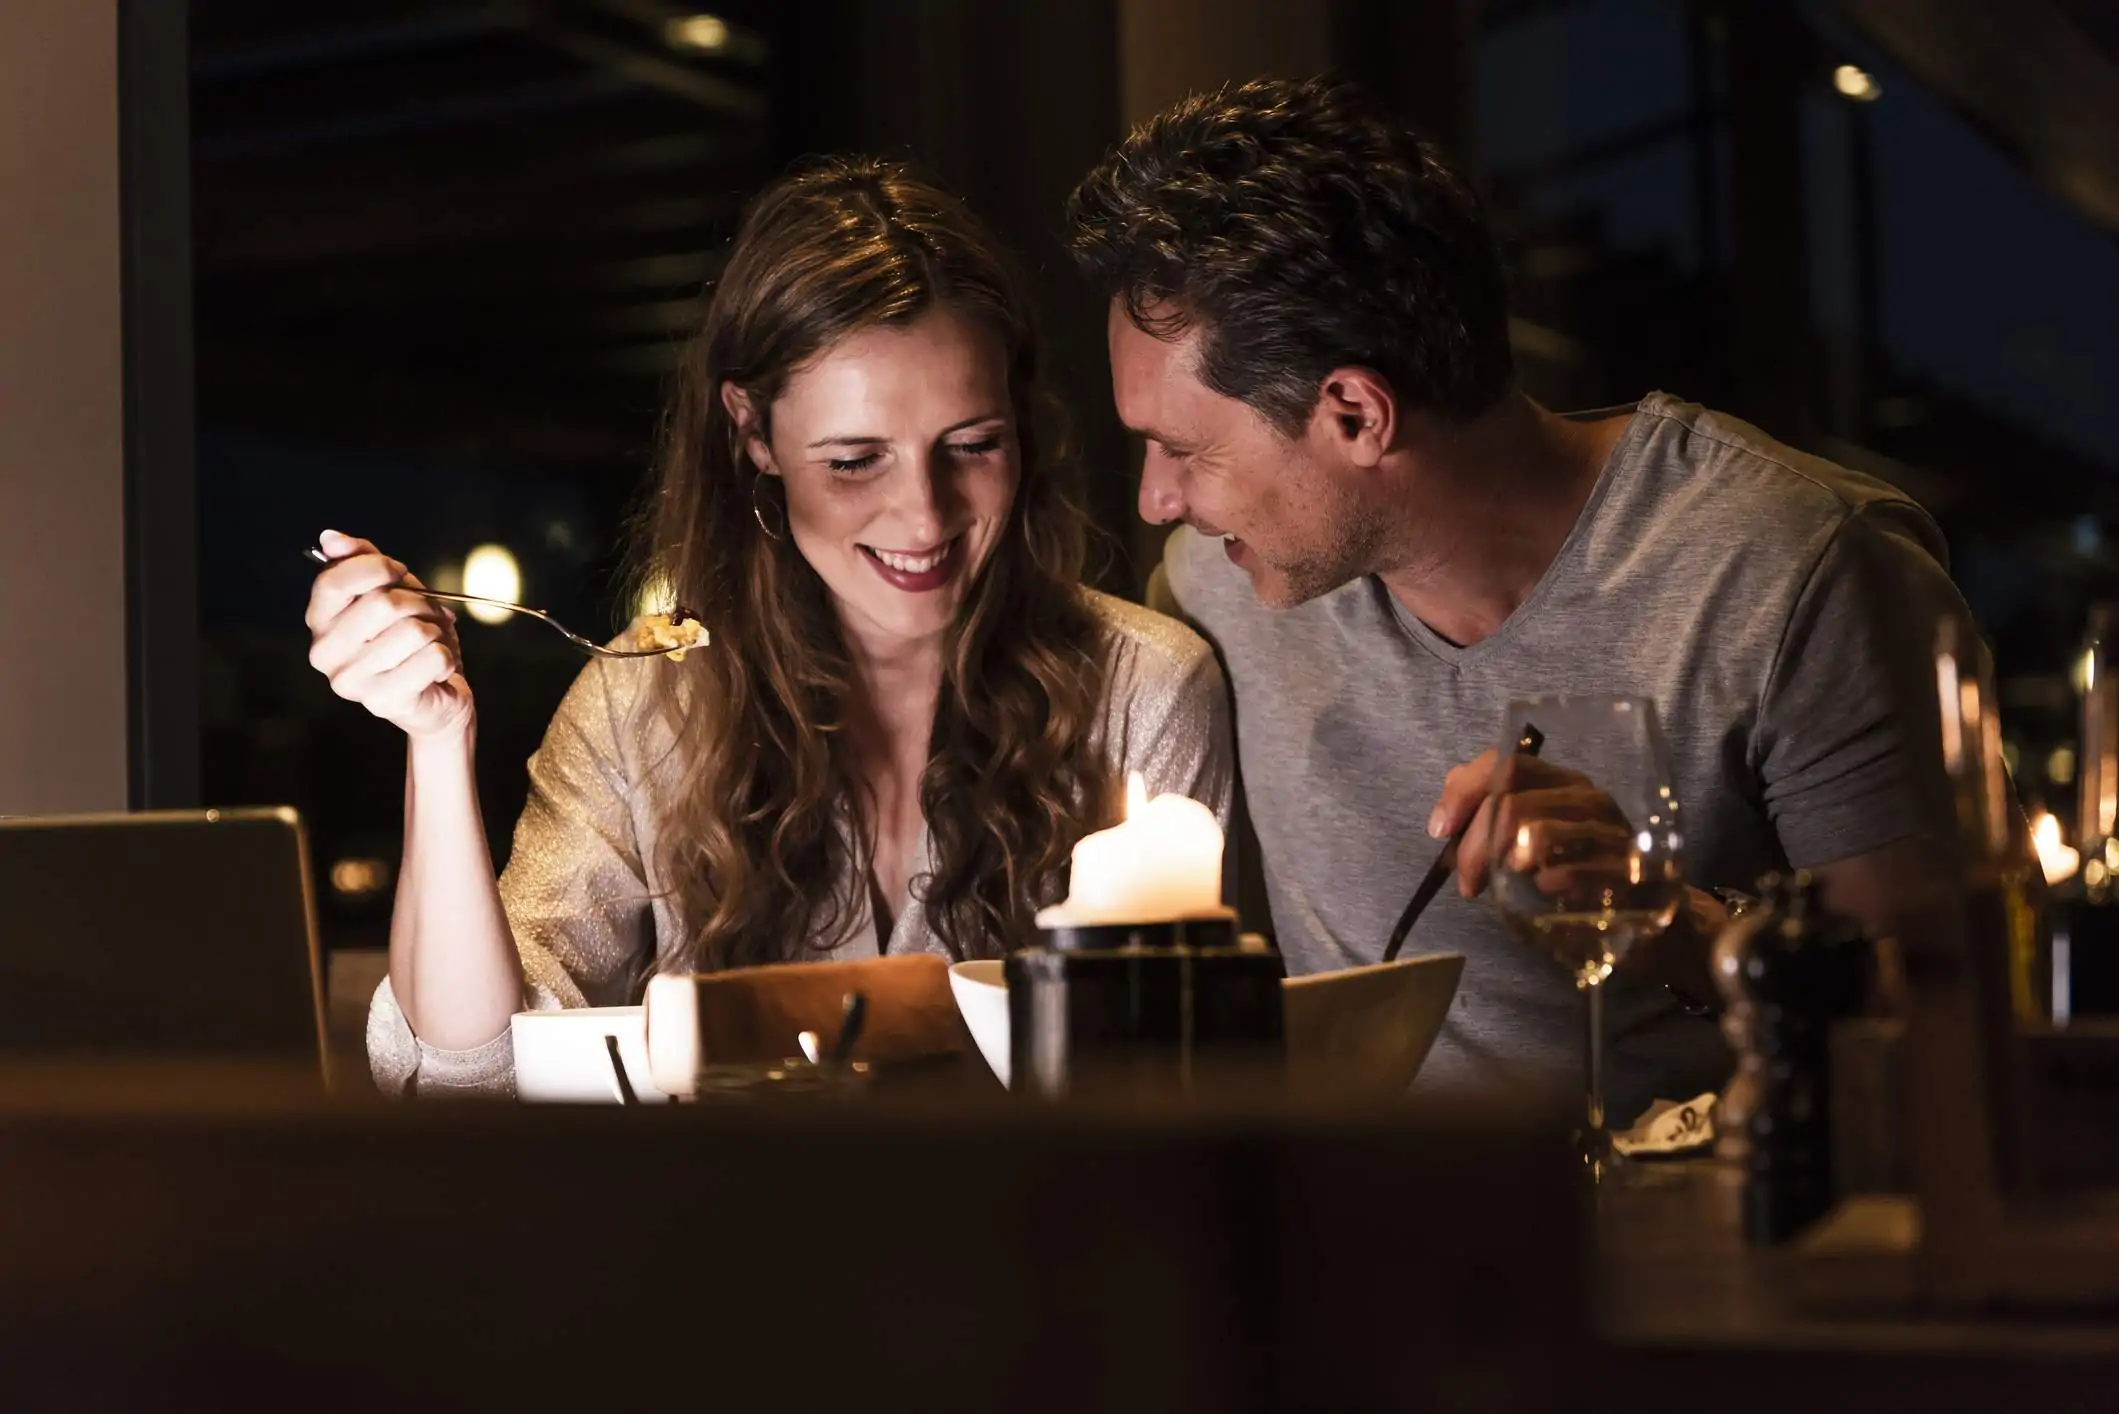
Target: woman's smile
{"type": "Point", "coordinates": [917, 572]}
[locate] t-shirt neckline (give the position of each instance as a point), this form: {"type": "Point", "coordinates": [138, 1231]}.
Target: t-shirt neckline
{"type": "Point", "coordinates": [1622, 452]}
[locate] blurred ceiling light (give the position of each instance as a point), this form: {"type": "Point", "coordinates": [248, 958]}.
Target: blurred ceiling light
{"type": "Point", "coordinates": [706, 33]}
{"type": "Point", "coordinates": [2055, 858]}
{"type": "Point", "coordinates": [490, 572]}
{"type": "Point", "coordinates": [1855, 83]}
{"type": "Point", "coordinates": [355, 877]}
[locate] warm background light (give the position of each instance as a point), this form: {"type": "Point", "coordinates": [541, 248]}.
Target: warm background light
{"type": "Point", "coordinates": [706, 33]}
{"type": "Point", "coordinates": [2060, 765]}
{"type": "Point", "coordinates": [1855, 83]}
{"type": "Point", "coordinates": [490, 572]}
{"type": "Point", "coordinates": [356, 877]}
{"type": "Point", "coordinates": [2056, 857]}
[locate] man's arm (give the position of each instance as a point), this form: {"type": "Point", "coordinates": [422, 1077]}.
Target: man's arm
{"type": "Point", "coordinates": [1883, 890]}
{"type": "Point", "coordinates": [1849, 744]}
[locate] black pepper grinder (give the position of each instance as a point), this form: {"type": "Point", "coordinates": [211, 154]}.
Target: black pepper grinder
{"type": "Point", "coordinates": [1732, 946]}
{"type": "Point", "coordinates": [1801, 973]}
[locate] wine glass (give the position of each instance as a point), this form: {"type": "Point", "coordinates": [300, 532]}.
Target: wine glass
{"type": "Point", "coordinates": [1587, 858]}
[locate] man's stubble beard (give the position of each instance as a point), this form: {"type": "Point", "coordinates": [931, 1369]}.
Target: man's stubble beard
{"type": "Point", "coordinates": [1351, 545]}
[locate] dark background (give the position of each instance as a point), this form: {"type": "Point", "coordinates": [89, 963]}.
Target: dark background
{"type": "Point", "coordinates": [445, 253]}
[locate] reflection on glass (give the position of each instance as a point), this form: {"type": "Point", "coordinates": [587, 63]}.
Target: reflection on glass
{"type": "Point", "coordinates": [1588, 859]}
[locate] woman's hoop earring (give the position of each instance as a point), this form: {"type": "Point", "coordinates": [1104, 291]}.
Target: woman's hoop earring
{"type": "Point", "coordinates": [758, 511]}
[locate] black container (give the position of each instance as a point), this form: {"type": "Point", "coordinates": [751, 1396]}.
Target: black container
{"type": "Point", "coordinates": [1142, 1008]}
{"type": "Point", "coordinates": [2085, 958]}
{"type": "Point", "coordinates": [1802, 973]}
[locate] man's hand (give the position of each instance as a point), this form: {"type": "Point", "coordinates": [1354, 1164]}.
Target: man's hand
{"type": "Point", "coordinates": [1534, 815]}
{"type": "Point", "coordinates": [1543, 814]}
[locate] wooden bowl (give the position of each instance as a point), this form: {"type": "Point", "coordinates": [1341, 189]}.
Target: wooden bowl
{"type": "Point", "coordinates": [753, 1014]}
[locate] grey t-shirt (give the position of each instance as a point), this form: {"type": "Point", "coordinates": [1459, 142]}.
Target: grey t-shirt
{"type": "Point", "coordinates": [1767, 600]}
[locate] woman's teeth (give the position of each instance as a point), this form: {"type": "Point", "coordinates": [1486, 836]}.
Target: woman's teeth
{"type": "Point", "coordinates": [911, 564]}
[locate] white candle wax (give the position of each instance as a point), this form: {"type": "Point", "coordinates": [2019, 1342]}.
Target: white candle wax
{"type": "Point", "coordinates": [1162, 862]}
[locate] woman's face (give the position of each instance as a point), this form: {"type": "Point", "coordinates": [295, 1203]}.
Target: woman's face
{"type": "Point", "coordinates": [897, 449]}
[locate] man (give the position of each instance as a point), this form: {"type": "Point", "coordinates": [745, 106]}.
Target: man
{"type": "Point", "coordinates": [1388, 541]}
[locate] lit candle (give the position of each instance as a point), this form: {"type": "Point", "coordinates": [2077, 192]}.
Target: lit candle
{"type": "Point", "coordinates": [1162, 862]}
{"type": "Point", "coordinates": [2056, 858]}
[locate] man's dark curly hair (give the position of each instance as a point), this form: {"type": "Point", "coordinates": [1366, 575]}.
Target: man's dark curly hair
{"type": "Point", "coordinates": [1302, 229]}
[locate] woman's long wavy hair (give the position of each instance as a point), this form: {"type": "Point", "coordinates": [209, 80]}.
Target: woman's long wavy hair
{"type": "Point", "coordinates": [768, 833]}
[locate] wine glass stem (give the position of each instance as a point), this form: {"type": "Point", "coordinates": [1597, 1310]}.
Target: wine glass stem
{"type": "Point", "coordinates": [1595, 1011]}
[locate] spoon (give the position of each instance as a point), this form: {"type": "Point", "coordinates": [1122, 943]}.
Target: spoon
{"type": "Point", "coordinates": [856, 1015]}
{"type": "Point", "coordinates": [587, 645]}
{"type": "Point", "coordinates": [626, 1096]}
{"type": "Point", "coordinates": [1446, 862]}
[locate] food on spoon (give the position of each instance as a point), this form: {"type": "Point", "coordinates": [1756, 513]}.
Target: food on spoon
{"type": "Point", "coordinates": [677, 631]}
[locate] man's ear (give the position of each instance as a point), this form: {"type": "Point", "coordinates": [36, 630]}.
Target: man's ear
{"type": "Point", "coordinates": [743, 412]}
{"type": "Point", "coordinates": [1358, 413]}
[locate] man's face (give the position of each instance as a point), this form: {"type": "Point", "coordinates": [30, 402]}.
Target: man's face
{"type": "Point", "coordinates": [1285, 509]}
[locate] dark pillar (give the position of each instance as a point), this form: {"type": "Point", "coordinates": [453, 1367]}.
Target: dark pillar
{"type": "Point", "coordinates": [1769, 55]}
{"type": "Point", "coordinates": [1416, 56]}
{"type": "Point", "coordinates": [161, 495]}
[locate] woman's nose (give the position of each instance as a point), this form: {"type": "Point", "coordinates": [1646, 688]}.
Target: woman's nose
{"type": "Point", "coordinates": [923, 502]}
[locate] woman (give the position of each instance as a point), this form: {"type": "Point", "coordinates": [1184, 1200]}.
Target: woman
{"type": "Point", "coordinates": [910, 709]}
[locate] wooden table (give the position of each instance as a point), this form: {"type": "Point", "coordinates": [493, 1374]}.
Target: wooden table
{"type": "Point", "coordinates": [174, 1236]}
{"type": "Point", "coordinates": [1690, 1318]}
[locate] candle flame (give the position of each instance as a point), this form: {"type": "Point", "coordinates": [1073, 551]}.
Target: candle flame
{"type": "Point", "coordinates": [1136, 793]}
{"type": "Point", "coordinates": [2056, 859]}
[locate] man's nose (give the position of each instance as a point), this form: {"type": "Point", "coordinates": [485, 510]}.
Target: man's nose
{"type": "Point", "coordinates": [1160, 499]}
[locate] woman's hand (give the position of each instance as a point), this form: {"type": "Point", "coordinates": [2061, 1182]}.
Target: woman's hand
{"type": "Point", "coordinates": [390, 650]}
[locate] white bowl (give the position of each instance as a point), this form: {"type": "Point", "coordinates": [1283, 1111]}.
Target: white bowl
{"type": "Point", "coordinates": [981, 990]}
{"type": "Point", "coordinates": [1364, 1030]}
{"type": "Point", "coordinates": [561, 1057]}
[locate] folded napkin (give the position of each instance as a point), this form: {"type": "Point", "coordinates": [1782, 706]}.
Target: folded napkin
{"type": "Point", "coordinates": [1670, 1127]}
{"type": "Point", "coordinates": [755, 1013]}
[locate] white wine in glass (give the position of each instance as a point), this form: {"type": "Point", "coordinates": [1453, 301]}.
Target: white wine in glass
{"type": "Point", "coordinates": [1588, 859]}
{"type": "Point", "coordinates": [1589, 944]}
